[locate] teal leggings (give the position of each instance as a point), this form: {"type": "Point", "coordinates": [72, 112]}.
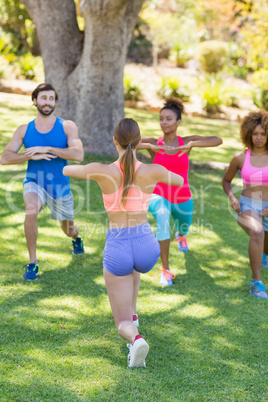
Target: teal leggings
{"type": "Point", "coordinates": [181, 213]}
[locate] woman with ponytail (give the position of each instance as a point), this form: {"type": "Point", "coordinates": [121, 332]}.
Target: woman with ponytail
{"type": "Point", "coordinates": [131, 247]}
{"type": "Point", "coordinates": [168, 200]}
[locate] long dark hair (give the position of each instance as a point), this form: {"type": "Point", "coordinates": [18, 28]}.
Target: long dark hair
{"type": "Point", "coordinates": [127, 134]}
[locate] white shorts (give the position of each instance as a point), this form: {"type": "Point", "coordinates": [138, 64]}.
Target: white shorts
{"type": "Point", "coordinates": [62, 208]}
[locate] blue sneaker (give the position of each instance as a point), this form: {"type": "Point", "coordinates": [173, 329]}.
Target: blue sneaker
{"type": "Point", "coordinates": [166, 277]}
{"type": "Point", "coordinates": [258, 289]}
{"type": "Point", "coordinates": [31, 271]}
{"type": "Point", "coordinates": [182, 242]}
{"type": "Point", "coordinates": [264, 263]}
{"type": "Point", "coordinates": [78, 246]}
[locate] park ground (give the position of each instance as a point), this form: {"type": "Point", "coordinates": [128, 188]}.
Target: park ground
{"type": "Point", "coordinates": [207, 334]}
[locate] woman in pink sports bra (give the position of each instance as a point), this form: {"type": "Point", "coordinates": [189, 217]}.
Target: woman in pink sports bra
{"type": "Point", "coordinates": [252, 207]}
{"type": "Point", "coordinates": [131, 247]}
{"type": "Point", "coordinates": [172, 152]}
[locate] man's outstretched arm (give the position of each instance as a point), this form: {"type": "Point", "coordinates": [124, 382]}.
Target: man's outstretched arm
{"type": "Point", "coordinates": [10, 155]}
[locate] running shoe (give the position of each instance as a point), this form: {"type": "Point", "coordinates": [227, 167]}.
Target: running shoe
{"type": "Point", "coordinates": [258, 289]}
{"type": "Point", "coordinates": [166, 277]}
{"type": "Point", "coordinates": [78, 246]}
{"type": "Point", "coordinates": [135, 320]}
{"type": "Point", "coordinates": [182, 242]}
{"type": "Point", "coordinates": [264, 263]}
{"type": "Point", "coordinates": [138, 351]}
{"type": "Point", "coordinates": [31, 271]}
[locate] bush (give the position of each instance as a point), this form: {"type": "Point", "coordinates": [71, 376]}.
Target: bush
{"type": "Point", "coordinates": [212, 55]}
{"type": "Point", "coordinates": [132, 90]}
{"type": "Point", "coordinates": [29, 66]}
{"type": "Point", "coordinates": [210, 90]}
{"type": "Point", "coordinates": [172, 87]}
{"type": "Point", "coordinates": [260, 78]}
{"type": "Point", "coordinates": [239, 71]}
{"type": "Point", "coordinates": [260, 98]}
{"type": "Point", "coordinates": [181, 55]}
{"type": "Point", "coordinates": [260, 81]}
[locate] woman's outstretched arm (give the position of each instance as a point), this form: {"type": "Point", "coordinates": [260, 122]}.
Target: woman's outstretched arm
{"type": "Point", "coordinates": [92, 171]}
{"type": "Point", "coordinates": [162, 175]}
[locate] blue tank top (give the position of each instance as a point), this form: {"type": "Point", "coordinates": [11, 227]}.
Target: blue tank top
{"type": "Point", "coordinates": [47, 174]}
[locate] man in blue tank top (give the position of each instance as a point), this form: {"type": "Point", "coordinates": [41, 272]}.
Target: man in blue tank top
{"type": "Point", "coordinates": [49, 143]}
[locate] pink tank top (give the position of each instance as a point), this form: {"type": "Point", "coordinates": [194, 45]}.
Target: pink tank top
{"type": "Point", "coordinates": [136, 200]}
{"type": "Point", "coordinates": [252, 174]}
{"type": "Point", "coordinates": [176, 164]}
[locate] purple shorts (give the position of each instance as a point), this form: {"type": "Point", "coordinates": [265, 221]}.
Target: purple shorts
{"type": "Point", "coordinates": [130, 248]}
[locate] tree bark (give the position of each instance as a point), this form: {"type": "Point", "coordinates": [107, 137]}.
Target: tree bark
{"type": "Point", "coordinates": [86, 68]}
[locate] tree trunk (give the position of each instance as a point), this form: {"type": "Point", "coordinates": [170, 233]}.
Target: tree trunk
{"type": "Point", "coordinates": [87, 70]}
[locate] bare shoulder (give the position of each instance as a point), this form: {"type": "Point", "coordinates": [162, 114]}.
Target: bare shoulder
{"type": "Point", "coordinates": [237, 161]}
{"type": "Point", "coordinates": [20, 131]}
{"type": "Point", "coordinates": [151, 170]}
{"type": "Point", "coordinates": [240, 156]}
{"type": "Point", "coordinates": [104, 170]}
{"type": "Point", "coordinates": [70, 127]}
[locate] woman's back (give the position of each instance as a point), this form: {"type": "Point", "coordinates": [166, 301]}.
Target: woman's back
{"type": "Point", "coordinates": [134, 211]}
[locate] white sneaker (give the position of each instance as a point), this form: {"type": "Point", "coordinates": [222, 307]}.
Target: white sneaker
{"type": "Point", "coordinates": [166, 277]}
{"type": "Point", "coordinates": [135, 320]}
{"type": "Point", "coordinates": [137, 352]}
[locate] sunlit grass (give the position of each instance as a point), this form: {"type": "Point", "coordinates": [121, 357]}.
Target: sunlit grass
{"type": "Point", "coordinates": [207, 335]}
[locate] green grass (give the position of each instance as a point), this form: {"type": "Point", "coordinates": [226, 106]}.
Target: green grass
{"type": "Point", "coordinates": [58, 342]}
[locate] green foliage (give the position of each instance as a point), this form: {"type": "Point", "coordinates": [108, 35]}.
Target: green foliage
{"type": "Point", "coordinates": [132, 89]}
{"type": "Point", "coordinates": [171, 86]}
{"type": "Point", "coordinates": [172, 32]}
{"type": "Point", "coordinates": [239, 71]}
{"type": "Point", "coordinates": [260, 98]}
{"type": "Point", "coordinates": [212, 55]}
{"type": "Point", "coordinates": [237, 61]}
{"type": "Point", "coordinates": [214, 92]}
{"type": "Point", "coordinates": [259, 80]}
{"type": "Point", "coordinates": [181, 54]}
{"type": "Point", "coordinates": [6, 55]}
{"type": "Point", "coordinates": [140, 48]}
{"type": "Point", "coordinates": [16, 22]}
{"type": "Point", "coordinates": [29, 66]}
{"type": "Point", "coordinates": [254, 34]}
{"type": "Point", "coordinates": [211, 93]}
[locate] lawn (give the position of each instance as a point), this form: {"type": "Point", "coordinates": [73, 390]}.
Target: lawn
{"type": "Point", "coordinates": [207, 334]}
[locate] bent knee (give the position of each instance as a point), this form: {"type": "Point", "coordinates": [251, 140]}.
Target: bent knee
{"type": "Point", "coordinates": [31, 209]}
{"type": "Point", "coordinates": [257, 234]}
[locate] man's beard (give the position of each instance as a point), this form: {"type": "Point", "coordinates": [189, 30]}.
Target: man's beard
{"type": "Point", "coordinates": [47, 112]}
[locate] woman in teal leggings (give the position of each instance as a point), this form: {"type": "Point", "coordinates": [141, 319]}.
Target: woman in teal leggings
{"type": "Point", "coordinates": [172, 152]}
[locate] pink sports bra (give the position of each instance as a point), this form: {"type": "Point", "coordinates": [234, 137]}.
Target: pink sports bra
{"type": "Point", "coordinates": [252, 174]}
{"type": "Point", "coordinates": [136, 200]}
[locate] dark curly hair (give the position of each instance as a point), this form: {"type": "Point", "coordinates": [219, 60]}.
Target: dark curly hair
{"type": "Point", "coordinates": [175, 105]}
{"type": "Point", "coordinates": [248, 125]}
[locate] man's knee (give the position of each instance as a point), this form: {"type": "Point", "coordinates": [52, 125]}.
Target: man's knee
{"type": "Point", "coordinates": [31, 209]}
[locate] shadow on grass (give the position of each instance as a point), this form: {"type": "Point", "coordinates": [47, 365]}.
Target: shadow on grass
{"type": "Point", "coordinates": [207, 335]}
